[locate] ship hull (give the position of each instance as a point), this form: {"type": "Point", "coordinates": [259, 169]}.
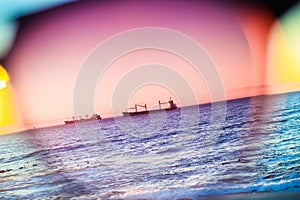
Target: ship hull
{"type": "Point", "coordinates": [83, 120]}
{"type": "Point", "coordinates": [126, 114]}
{"type": "Point", "coordinates": [69, 122]}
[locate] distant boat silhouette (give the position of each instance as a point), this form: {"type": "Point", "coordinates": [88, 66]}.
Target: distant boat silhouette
{"type": "Point", "coordinates": [172, 106]}
{"type": "Point", "coordinates": [92, 118]}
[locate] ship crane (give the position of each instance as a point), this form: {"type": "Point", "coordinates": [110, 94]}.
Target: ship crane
{"type": "Point", "coordinates": [170, 102]}
{"type": "Point", "coordinates": [172, 106]}
{"type": "Point", "coordinates": [138, 105]}
{"type": "Point", "coordinates": [161, 103]}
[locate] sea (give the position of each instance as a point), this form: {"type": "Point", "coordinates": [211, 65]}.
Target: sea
{"type": "Point", "coordinates": [248, 146]}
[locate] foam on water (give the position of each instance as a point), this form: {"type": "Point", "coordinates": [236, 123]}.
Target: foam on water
{"type": "Point", "coordinates": [196, 193]}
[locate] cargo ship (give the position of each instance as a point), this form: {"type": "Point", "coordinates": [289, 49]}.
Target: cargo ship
{"type": "Point", "coordinates": [172, 106]}
{"type": "Point", "coordinates": [92, 118]}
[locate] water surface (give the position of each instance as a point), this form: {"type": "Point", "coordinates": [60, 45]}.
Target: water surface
{"type": "Point", "coordinates": [177, 154]}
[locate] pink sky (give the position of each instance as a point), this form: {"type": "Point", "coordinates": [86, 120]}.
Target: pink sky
{"type": "Point", "coordinates": [52, 46]}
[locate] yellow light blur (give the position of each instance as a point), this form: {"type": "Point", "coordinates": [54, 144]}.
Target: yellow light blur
{"type": "Point", "coordinates": [7, 104]}
{"type": "Point", "coordinates": [283, 55]}
{"type": "Point", "coordinates": [2, 84]}
{"type": "Point", "coordinates": [4, 78]}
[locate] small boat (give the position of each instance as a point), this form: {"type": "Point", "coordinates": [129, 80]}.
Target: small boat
{"type": "Point", "coordinates": [92, 118]}
{"type": "Point", "coordinates": [172, 106]}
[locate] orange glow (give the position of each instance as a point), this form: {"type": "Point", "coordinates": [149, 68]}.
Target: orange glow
{"type": "Point", "coordinates": [151, 93]}
{"type": "Point", "coordinates": [256, 23]}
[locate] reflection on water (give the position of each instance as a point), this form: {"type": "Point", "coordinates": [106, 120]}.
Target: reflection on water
{"type": "Point", "coordinates": [163, 155]}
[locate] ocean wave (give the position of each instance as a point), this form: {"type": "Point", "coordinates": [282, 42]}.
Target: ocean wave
{"type": "Point", "coordinates": [196, 193]}
{"type": "Point", "coordinates": [44, 152]}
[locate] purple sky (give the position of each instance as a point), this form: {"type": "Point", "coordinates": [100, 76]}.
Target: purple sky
{"type": "Point", "coordinates": [52, 46]}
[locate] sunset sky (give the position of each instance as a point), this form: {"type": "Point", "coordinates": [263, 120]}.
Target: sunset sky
{"type": "Point", "coordinates": [253, 52]}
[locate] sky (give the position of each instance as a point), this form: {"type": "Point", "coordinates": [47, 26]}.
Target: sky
{"type": "Point", "coordinates": [10, 10]}
{"type": "Point", "coordinates": [251, 51]}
